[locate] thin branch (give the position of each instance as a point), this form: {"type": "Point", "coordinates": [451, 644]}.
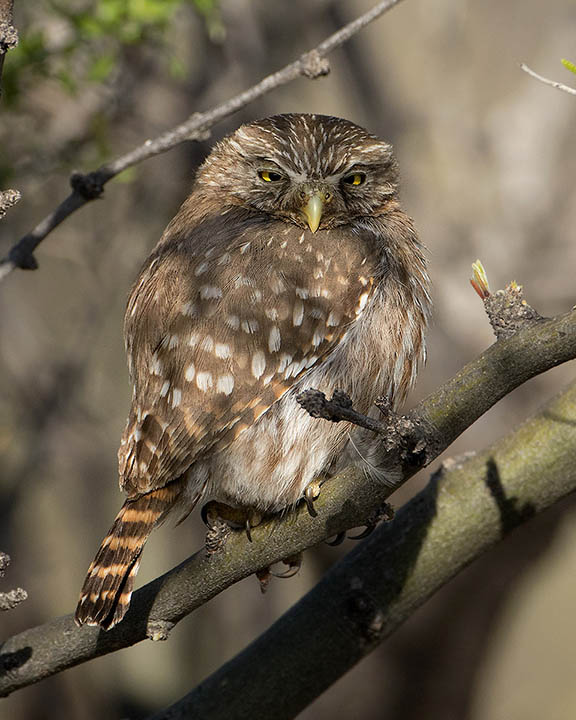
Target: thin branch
{"type": "Point", "coordinates": [346, 501]}
{"type": "Point", "coordinates": [8, 33]}
{"type": "Point", "coordinates": [466, 508]}
{"type": "Point", "coordinates": [311, 64]}
{"type": "Point", "coordinates": [546, 81]}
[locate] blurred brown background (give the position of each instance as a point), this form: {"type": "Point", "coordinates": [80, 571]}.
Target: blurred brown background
{"type": "Point", "coordinates": [488, 163]}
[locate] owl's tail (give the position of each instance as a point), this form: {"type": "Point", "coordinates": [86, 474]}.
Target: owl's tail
{"type": "Point", "coordinates": [107, 589]}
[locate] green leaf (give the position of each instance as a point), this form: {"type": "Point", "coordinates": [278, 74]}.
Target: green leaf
{"type": "Point", "coordinates": [569, 65]}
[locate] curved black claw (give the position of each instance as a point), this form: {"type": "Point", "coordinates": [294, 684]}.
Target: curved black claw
{"type": "Point", "coordinates": [310, 506]}
{"type": "Point", "coordinates": [338, 540]}
{"type": "Point", "coordinates": [248, 529]}
{"type": "Point", "coordinates": [294, 563]}
{"type": "Point", "coordinates": [287, 573]}
{"type": "Point", "coordinates": [368, 530]}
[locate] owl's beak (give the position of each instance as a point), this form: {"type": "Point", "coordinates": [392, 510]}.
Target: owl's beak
{"type": "Point", "coordinates": [313, 209]}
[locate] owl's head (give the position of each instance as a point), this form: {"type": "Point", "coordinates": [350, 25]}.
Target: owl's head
{"type": "Point", "coordinates": [313, 170]}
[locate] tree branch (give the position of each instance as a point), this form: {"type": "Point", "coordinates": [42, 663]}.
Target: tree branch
{"type": "Point", "coordinates": [8, 33]}
{"type": "Point", "coordinates": [546, 81]}
{"type": "Point", "coordinates": [465, 509]}
{"type": "Point", "coordinates": [9, 600]}
{"type": "Point", "coordinates": [311, 64]}
{"type": "Point", "coordinates": [346, 501]}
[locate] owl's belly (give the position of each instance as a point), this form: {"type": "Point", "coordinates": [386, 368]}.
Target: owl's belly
{"type": "Point", "coordinates": [270, 464]}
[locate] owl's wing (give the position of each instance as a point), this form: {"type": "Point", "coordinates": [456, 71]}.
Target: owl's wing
{"type": "Point", "coordinates": [220, 325]}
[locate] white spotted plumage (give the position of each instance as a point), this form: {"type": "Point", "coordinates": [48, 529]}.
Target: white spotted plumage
{"type": "Point", "coordinates": [241, 306]}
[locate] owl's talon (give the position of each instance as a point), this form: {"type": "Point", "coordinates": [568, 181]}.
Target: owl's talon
{"type": "Point", "coordinates": [338, 539]}
{"type": "Point", "coordinates": [248, 529]}
{"type": "Point", "coordinates": [294, 563]}
{"type": "Point", "coordinates": [311, 493]}
{"type": "Point", "coordinates": [368, 530]}
{"type": "Point", "coordinates": [215, 514]}
{"type": "Point", "coordinates": [383, 514]}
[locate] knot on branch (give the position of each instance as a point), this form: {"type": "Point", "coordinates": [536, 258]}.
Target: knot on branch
{"type": "Point", "coordinates": [12, 598]}
{"type": "Point", "coordinates": [401, 435]}
{"type": "Point", "coordinates": [89, 186]}
{"type": "Point", "coordinates": [8, 37]}
{"type": "Point", "coordinates": [201, 133]}
{"type": "Point", "coordinates": [159, 630]}
{"type": "Point", "coordinates": [8, 198]}
{"type": "Point", "coordinates": [313, 65]}
{"type": "Point", "coordinates": [317, 404]}
{"type": "Point", "coordinates": [508, 312]}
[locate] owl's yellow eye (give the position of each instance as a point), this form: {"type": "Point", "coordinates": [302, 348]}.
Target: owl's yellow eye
{"type": "Point", "coordinates": [269, 176]}
{"type": "Point", "coordinates": [355, 179]}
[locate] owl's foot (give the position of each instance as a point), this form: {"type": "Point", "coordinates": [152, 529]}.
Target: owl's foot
{"type": "Point", "coordinates": [265, 575]}
{"type": "Point", "coordinates": [221, 518]}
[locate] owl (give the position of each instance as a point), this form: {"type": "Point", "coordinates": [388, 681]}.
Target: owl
{"type": "Point", "coordinates": [290, 265]}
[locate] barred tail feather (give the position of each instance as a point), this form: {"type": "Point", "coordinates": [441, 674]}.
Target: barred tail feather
{"type": "Point", "coordinates": [107, 589]}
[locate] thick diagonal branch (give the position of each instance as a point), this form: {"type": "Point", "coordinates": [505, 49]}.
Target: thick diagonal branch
{"type": "Point", "coordinates": [346, 501]}
{"type": "Point", "coordinates": [465, 509]}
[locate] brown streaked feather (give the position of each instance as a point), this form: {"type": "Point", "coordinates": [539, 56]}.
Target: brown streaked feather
{"type": "Point", "coordinates": [105, 595]}
{"type": "Point", "coordinates": [221, 323]}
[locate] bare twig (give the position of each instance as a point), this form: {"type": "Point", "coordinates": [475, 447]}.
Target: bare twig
{"type": "Point", "coordinates": [10, 599]}
{"type": "Point", "coordinates": [311, 64]}
{"type": "Point", "coordinates": [507, 310]}
{"type": "Point", "coordinates": [346, 501]}
{"type": "Point", "coordinates": [546, 81]}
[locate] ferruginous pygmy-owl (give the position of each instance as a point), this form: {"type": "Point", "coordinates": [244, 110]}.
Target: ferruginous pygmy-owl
{"type": "Point", "coordinates": [290, 266]}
